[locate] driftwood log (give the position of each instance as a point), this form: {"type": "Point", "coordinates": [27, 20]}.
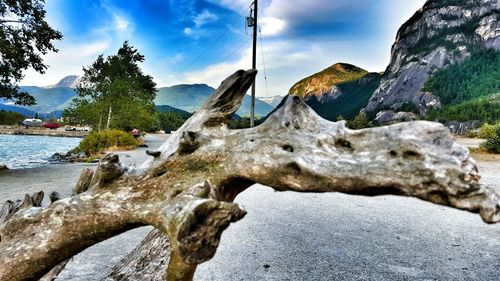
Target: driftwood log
{"type": "Point", "coordinates": [186, 190]}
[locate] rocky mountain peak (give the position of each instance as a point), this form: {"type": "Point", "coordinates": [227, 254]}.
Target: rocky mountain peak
{"type": "Point", "coordinates": [273, 101]}
{"type": "Point", "coordinates": [70, 81]}
{"type": "Point", "coordinates": [441, 33]}
{"type": "Point", "coordinates": [325, 81]}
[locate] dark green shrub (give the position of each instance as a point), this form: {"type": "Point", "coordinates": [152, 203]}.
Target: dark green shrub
{"type": "Point", "coordinates": [492, 143]}
{"type": "Point", "coordinates": [99, 141]}
{"type": "Point", "coordinates": [359, 122]}
{"type": "Point", "coordinates": [487, 130]}
{"type": "Point", "coordinates": [10, 118]}
{"type": "Point", "coordinates": [172, 120]}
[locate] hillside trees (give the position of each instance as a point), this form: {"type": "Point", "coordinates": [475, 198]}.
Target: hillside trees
{"type": "Point", "coordinates": [115, 93]}
{"type": "Point", "coordinates": [24, 37]}
{"type": "Point", "coordinates": [10, 118]}
{"type": "Point", "coordinates": [468, 90]}
{"type": "Point", "coordinates": [475, 77]}
{"type": "Point", "coordinates": [172, 120]}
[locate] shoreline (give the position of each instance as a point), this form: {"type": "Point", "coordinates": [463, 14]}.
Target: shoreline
{"type": "Point", "coordinates": [62, 177]}
{"type": "Point", "coordinates": [22, 131]}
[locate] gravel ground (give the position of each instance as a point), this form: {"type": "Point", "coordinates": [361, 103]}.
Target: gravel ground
{"type": "Point", "coordinates": [292, 236]}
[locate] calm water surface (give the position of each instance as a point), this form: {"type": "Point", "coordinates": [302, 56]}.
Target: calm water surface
{"type": "Point", "coordinates": [19, 152]}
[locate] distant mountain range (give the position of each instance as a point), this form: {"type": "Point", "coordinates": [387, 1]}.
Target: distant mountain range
{"type": "Point", "coordinates": [49, 99]}
{"type": "Point", "coordinates": [272, 101]}
{"type": "Point", "coordinates": [191, 97]}
{"type": "Point", "coordinates": [23, 111]}
{"type": "Point", "coordinates": [168, 108]}
{"type": "Point", "coordinates": [29, 113]}
{"type": "Point", "coordinates": [444, 63]}
{"type": "Point", "coordinates": [70, 81]}
{"type": "Point", "coordinates": [52, 100]}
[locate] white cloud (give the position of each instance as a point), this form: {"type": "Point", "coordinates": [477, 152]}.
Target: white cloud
{"type": "Point", "coordinates": [272, 26]}
{"type": "Point", "coordinates": [80, 51]}
{"type": "Point", "coordinates": [179, 57]}
{"type": "Point", "coordinates": [199, 21]}
{"type": "Point", "coordinates": [121, 24]}
{"type": "Point", "coordinates": [188, 31]}
{"type": "Point", "coordinates": [214, 74]}
{"type": "Point", "coordinates": [204, 18]}
{"type": "Point", "coordinates": [68, 61]}
{"type": "Point", "coordinates": [239, 6]}
{"type": "Point", "coordinates": [289, 61]}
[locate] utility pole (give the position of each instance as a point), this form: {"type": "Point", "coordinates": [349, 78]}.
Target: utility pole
{"type": "Point", "coordinates": [253, 21]}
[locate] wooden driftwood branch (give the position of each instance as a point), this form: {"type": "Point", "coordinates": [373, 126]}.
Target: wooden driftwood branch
{"type": "Point", "coordinates": [186, 190]}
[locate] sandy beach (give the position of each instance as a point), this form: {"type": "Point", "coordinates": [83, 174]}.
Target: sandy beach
{"type": "Point", "coordinates": [291, 236]}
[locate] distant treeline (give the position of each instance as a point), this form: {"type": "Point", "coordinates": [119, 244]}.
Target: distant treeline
{"type": "Point", "coordinates": [10, 118]}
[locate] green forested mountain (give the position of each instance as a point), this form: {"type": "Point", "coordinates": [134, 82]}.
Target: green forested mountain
{"type": "Point", "coordinates": [50, 99]}
{"type": "Point", "coordinates": [475, 77]}
{"type": "Point", "coordinates": [323, 81]}
{"type": "Point", "coordinates": [185, 97]}
{"type": "Point", "coordinates": [168, 109]}
{"type": "Point", "coordinates": [191, 97]}
{"type": "Point", "coordinates": [339, 90]}
{"type": "Point", "coordinates": [484, 108]}
{"type": "Point", "coordinates": [441, 34]}
{"type": "Point", "coordinates": [355, 95]}
{"type": "Point", "coordinates": [468, 90]}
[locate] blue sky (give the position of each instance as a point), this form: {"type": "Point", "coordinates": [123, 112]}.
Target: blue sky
{"type": "Point", "coordinates": [299, 37]}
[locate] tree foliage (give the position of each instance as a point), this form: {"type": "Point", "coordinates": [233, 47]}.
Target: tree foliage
{"type": "Point", "coordinates": [487, 130]}
{"type": "Point", "coordinates": [359, 122]}
{"type": "Point", "coordinates": [484, 109]}
{"type": "Point", "coordinates": [115, 93]}
{"type": "Point", "coordinates": [169, 120]}
{"type": "Point", "coordinates": [24, 37]}
{"type": "Point", "coordinates": [476, 77]}
{"type": "Point", "coordinates": [97, 142]}
{"type": "Point", "coordinates": [492, 143]}
{"type": "Point", "coordinates": [10, 118]}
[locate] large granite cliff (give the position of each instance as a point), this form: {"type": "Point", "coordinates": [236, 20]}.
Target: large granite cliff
{"type": "Point", "coordinates": [441, 33]}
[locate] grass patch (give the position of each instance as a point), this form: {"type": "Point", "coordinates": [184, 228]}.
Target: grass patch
{"type": "Point", "coordinates": [97, 142]}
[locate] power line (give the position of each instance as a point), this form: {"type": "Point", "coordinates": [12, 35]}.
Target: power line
{"type": "Point", "coordinates": [263, 61]}
{"type": "Point", "coordinates": [228, 28]}
{"type": "Point", "coordinates": [229, 55]}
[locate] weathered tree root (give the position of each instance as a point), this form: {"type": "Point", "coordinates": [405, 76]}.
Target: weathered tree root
{"type": "Point", "coordinates": [187, 189]}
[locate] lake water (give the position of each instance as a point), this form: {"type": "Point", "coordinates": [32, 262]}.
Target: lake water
{"type": "Point", "coordinates": [19, 152]}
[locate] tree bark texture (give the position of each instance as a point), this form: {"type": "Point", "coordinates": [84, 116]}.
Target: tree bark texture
{"type": "Point", "coordinates": [186, 190]}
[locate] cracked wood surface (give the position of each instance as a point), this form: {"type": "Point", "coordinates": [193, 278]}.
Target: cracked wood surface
{"type": "Point", "coordinates": [186, 190]}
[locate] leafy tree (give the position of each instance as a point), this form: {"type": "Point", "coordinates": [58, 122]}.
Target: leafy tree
{"type": "Point", "coordinates": [10, 118]}
{"type": "Point", "coordinates": [172, 120]}
{"type": "Point", "coordinates": [24, 37]}
{"type": "Point", "coordinates": [114, 93]}
{"type": "Point", "coordinates": [98, 142]}
{"type": "Point", "coordinates": [359, 122]}
{"type": "Point", "coordinates": [492, 143]}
